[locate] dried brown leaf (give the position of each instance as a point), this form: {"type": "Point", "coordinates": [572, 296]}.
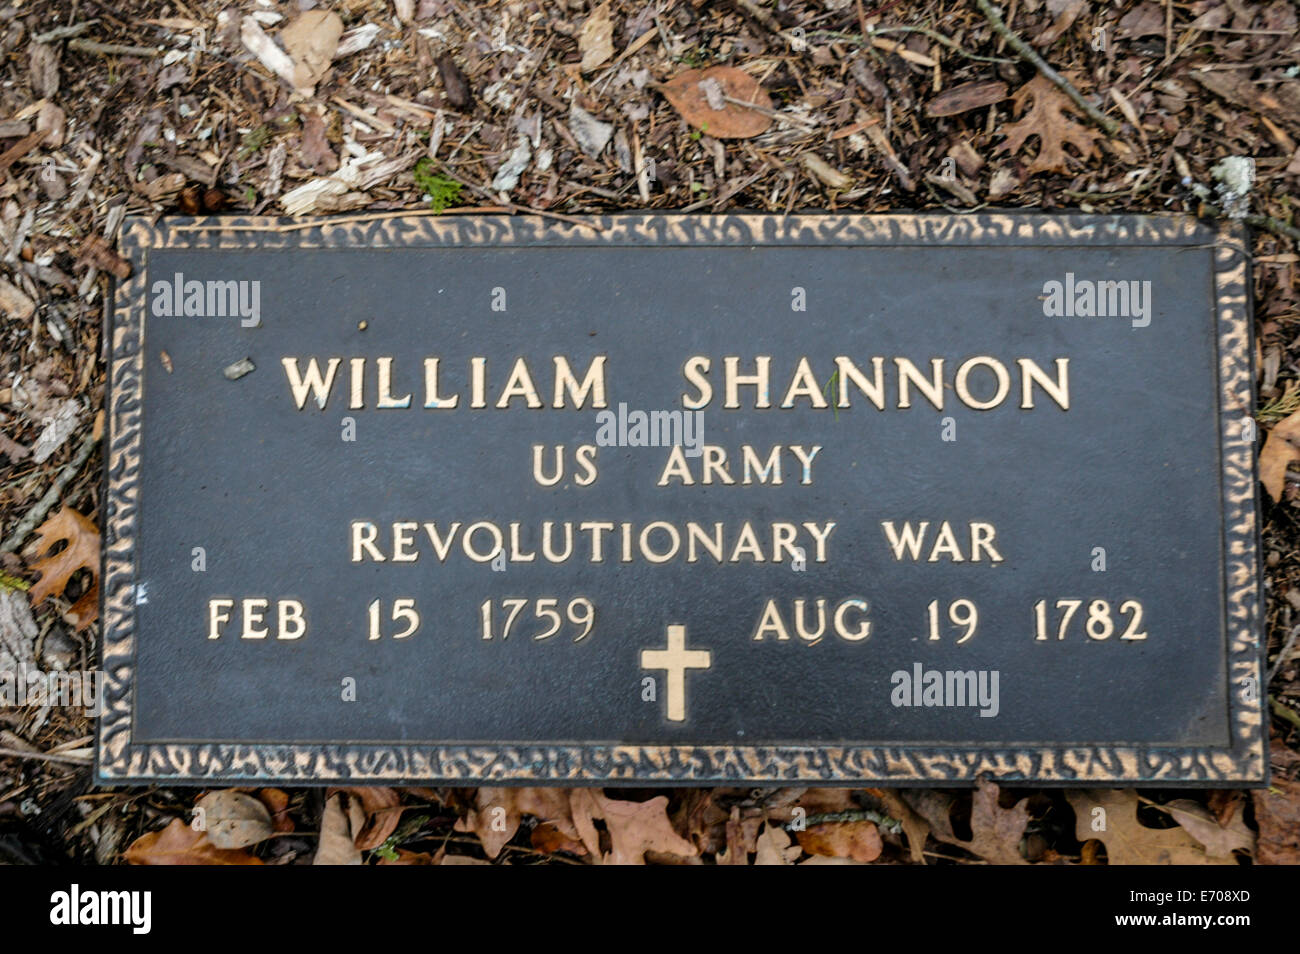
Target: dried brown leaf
{"type": "Point", "coordinates": [316, 153]}
{"type": "Point", "coordinates": [337, 846]}
{"type": "Point", "coordinates": [773, 847]}
{"type": "Point", "coordinates": [310, 40]}
{"type": "Point", "coordinates": [1220, 841]}
{"type": "Point", "coordinates": [82, 552]}
{"type": "Point", "coordinates": [498, 813]}
{"type": "Point", "coordinates": [688, 93]}
{"type": "Point", "coordinates": [995, 831]}
{"type": "Point", "coordinates": [1045, 113]}
{"type": "Point", "coordinates": [97, 252]}
{"type": "Point", "coordinates": [548, 838]}
{"type": "Point", "coordinates": [859, 840]}
{"type": "Point", "coordinates": [914, 826]}
{"type": "Point", "coordinates": [1127, 840]}
{"type": "Point", "coordinates": [454, 84]}
{"type": "Point", "coordinates": [595, 40]}
{"type": "Point", "coordinates": [1146, 19]}
{"type": "Point", "coordinates": [233, 819]}
{"type": "Point", "coordinates": [277, 803]}
{"type": "Point", "coordinates": [179, 844]}
{"type": "Point", "coordinates": [405, 857]}
{"type": "Point", "coordinates": [1277, 812]}
{"type": "Point", "coordinates": [1281, 449]}
{"type": "Point", "coordinates": [634, 828]}
{"type": "Point", "coordinates": [14, 302]}
{"type": "Point", "coordinates": [965, 97]}
{"type": "Point", "coordinates": [382, 808]}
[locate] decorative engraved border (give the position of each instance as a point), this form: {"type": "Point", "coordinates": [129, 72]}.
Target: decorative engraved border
{"type": "Point", "coordinates": [1242, 761]}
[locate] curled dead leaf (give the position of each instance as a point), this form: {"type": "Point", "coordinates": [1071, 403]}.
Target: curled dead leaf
{"type": "Point", "coordinates": [382, 808]}
{"type": "Point", "coordinates": [179, 844]}
{"type": "Point", "coordinates": [277, 803]}
{"type": "Point", "coordinates": [689, 92]}
{"type": "Point", "coordinates": [336, 846]}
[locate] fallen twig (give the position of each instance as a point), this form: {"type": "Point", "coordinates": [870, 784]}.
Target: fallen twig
{"type": "Point", "coordinates": [110, 49]}
{"type": "Point", "coordinates": [21, 148]}
{"type": "Point", "coordinates": [1266, 222]}
{"type": "Point", "coordinates": [44, 757]}
{"type": "Point", "coordinates": [935, 35]}
{"type": "Point", "coordinates": [1028, 54]}
{"type": "Point", "coordinates": [1281, 657]}
{"type": "Point", "coordinates": [38, 512]}
{"type": "Point", "coordinates": [64, 32]}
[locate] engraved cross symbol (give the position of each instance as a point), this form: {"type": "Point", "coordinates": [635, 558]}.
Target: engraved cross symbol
{"type": "Point", "coordinates": [675, 660]}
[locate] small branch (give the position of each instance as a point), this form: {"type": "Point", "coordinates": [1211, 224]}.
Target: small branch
{"type": "Point", "coordinates": [38, 512]}
{"type": "Point", "coordinates": [44, 757]}
{"type": "Point", "coordinates": [1028, 54]}
{"type": "Point", "coordinates": [110, 49]}
{"type": "Point", "coordinates": [64, 32]}
{"type": "Point", "coordinates": [935, 35]}
{"type": "Point", "coordinates": [1281, 657]}
{"type": "Point", "coordinates": [768, 111]}
{"type": "Point", "coordinates": [1266, 222]}
{"type": "Point", "coordinates": [1276, 226]}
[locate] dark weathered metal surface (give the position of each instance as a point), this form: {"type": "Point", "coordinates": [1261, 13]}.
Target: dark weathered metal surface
{"type": "Point", "coordinates": [1079, 602]}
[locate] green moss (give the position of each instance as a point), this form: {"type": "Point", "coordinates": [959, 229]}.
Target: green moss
{"type": "Point", "coordinates": [442, 191]}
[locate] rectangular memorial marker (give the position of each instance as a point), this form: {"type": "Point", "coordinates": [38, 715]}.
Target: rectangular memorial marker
{"type": "Point", "coordinates": [683, 499]}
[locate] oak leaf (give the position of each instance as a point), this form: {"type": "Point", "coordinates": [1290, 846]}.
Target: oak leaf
{"type": "Point", "coordinates": [498, 813]}
{"type": "Point", "coordinates": [1220, 840]}
{"type": "Point", "coordinates": [634, 827]}
{"type": "Point", "coordinates": [773, 847]}
{"type": "Point", "coordinates": [82, 551]}
{"type": "Point", "coordinates": [712, 100]}
{"type": "Point", "coordinates": [179, 844]}
{"type": "Point", "coordinates": [1127, 840]}
{"type": "Point", "coordinates": [1045, 113]}
{"type": "Point", "coordinates": [995, 831]}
